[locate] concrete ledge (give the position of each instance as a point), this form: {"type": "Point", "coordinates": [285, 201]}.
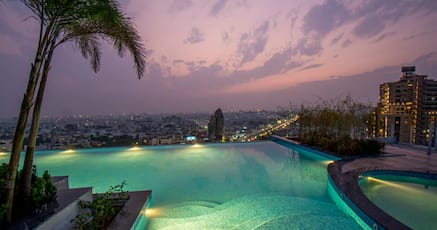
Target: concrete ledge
{"type": "Point", "coordinates": [66, 209]}
{"type": "Point", "coordinates": [296, 145]}
{"type": "Point", "coordinates": [60, 182]}
{"type": "Point", "coordinates": [404, 176]}
{"type": "Point", "coordinates": [349, 190]}
{"type": "Point", "coordinates": [128, 215]}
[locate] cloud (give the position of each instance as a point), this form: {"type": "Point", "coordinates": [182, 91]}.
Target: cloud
{"type": "Point", "coordinates": [390, 10]}
{"type": "Point", "coordinates": [311, 67]}
{"type": "Point", "coordinates": [293, 15]}
{"type": "Point", "coordinates": [377, 15]}
{"type": "Point", "coordinates": [384, 36]}
{"type": "Point", "coordinates": [426, 58]}
{"type": "Point", "coordinates": [309, 46]}
{"type": "Point", "coordinates": [417, 35]}
{"type": "Point", "coordinates": [282, 61]}
{"type": "Point", "coordinates": [180, 5]}
{"type": "Point", "coordinates": [370, 26]}
{"type": "Point", "coordinates": [346, 43]}
{"type": "Point", "coordinates": [336, 39]}
{"type": "Point", "coordinates": [363, 87]}
{"type": "Point", "coordinates": [226, 37]}
{"type": "Point", "coordinates": [252, 44]}
{"type": "Point", "coordinates": [154, 70]}
{"type": "Point", "coordinates": [371, 17]}
{"type": "Point", "coordinates": [279, 62]}
{"type": "Point", "coordinates": [182, 77]}
{"type": "Point", "coordinates": [196, 36]}
{"type": "Point", "coordinates": [218, 7]}
{"type": "Point", "coordinates": [318, 22]}
{"type": "Point", "coordinates": [321, 19]}
{"type": "Point", "coordinates": [213, 78]}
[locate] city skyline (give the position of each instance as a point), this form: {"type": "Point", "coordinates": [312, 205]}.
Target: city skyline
{"type": "Point", "coordinates": [229, 54]}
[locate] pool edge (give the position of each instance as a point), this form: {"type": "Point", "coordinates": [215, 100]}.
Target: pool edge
{"type": "Point", "coordinates": [347, 187]}
{"type": "Point", "coordinates": [345, 192]}
{"type": "Point", "coordinates": [289, 143]}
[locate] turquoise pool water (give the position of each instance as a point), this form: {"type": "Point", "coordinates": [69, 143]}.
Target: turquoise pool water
{"type": "Point", "coordinates": [414, 204]}
{"type": "Point", "coordinates": [216, 186]}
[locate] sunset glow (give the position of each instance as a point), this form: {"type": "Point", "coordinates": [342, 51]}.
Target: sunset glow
{"type": "Point", "coordinates": [230, 54]}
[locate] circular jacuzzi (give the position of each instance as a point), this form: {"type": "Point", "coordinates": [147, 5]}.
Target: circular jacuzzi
{"type": "Point", "coordinates": [410, 197]}
{"type": "Point", "coordinates": [378, 198]}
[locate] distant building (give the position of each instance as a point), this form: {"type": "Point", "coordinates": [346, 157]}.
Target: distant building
{"type": "Point", "coordinates": [216, 126]}
{"type": "Point", "coordinates": [407, 108]}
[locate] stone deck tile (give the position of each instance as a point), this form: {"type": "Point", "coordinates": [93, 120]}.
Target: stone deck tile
{"type": "Point", "coordinates": [401, 157]}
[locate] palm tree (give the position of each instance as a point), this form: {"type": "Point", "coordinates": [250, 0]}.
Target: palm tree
{"type": "Point", "coordinates": [86, 23]}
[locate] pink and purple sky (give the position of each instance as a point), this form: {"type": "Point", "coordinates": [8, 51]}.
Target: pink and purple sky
{"type": "Point", "coordinates": [233, 54]}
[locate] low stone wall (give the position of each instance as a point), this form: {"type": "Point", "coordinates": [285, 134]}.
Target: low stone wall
{"type": "Point", "coordinates": [347, 187]}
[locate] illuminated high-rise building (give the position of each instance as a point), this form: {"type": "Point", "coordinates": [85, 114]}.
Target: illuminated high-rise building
{"type": "Point", "coordinates": [216, 126]}
{"type": "Point", "coordinates": [407, 108]}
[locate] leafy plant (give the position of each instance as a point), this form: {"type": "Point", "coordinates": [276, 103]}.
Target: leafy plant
{"type": "Point", "coordinates": [43, 191]}
{"type": "Point", "coordinates": [98, 214]}
{"type": "Point", "coordinates": [340, 126]}
{"type": "Point", "coordinates": [3, 210]}
{"type": "Point", "coordinates": [85, 23]}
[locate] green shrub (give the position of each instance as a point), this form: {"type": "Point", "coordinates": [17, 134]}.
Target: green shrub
{"type": "Point", "coordinates": [3, 209]}
{"type": "Point", "coordinates": [43, 191]}
{"type": "Point", "coordinates": [343, 145]}
{"type": "Point", "coordinates": [99, 213]}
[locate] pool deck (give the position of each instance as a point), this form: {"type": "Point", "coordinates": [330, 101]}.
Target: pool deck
{"type": "Point", "coordinates": [401, 157]}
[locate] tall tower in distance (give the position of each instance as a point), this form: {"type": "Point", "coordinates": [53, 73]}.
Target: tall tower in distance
{"type": "Point", "coordinates": [216, 126]}
{"type": "Point", "coordinates": [407, 109]}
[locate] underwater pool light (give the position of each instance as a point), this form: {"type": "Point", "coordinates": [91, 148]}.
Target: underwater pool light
{"type": "Point", "coordinates": [135, 148]}
{"type": "Point", "coordinates": [150, 212]}
{"type": "Point", "coordinates": [68, 151]}
{"type": "Point", "coordinates": [327, 162]}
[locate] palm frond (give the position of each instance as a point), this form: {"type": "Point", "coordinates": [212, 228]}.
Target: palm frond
{"type": "Point", "coordinates": [104, 20]}
{"type": "Point", "coordinates": [90, 48]}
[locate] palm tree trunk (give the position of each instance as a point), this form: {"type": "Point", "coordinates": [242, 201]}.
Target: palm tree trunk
{"type": "Point", "coordinates": [33, 133]}
{"type": "Point", "coordinates": [17, 143]}
{"type": "Point", "coordinates": [26, 104]}
{"type": "Point", "coordinates": [117, 28]}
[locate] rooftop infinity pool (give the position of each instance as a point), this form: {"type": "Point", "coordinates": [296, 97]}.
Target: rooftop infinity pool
{"type": "Point", "coordinates": [260, 185]}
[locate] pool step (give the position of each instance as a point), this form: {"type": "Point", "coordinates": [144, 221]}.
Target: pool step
{"type": "Point", "coordinates": [58, 214]}
{"type": "Point", "coordinates": [66, 208]}
{"type": "Point", "coordinates": [60, 182]}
